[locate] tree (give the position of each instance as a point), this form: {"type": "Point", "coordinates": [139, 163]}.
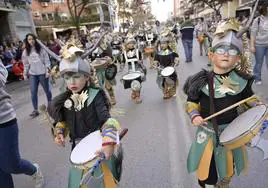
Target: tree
{"type": "Point", "coordinates": [213, 4]}
{"type": "Point", "coordinates": [141, 11]}
{"type": "Point", "coordinates": [76, 9]}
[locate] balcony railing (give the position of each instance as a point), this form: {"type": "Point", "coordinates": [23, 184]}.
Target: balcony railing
{"type": "Point", "coordinates": [69, 22]}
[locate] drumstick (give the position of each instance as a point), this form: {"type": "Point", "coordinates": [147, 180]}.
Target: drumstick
{"type": "Point", "coordinates": [229, 108]}
{"type": "Point", "coordinates": [123, 133]}
{"type": "Point", "coordinates": [43, 110]}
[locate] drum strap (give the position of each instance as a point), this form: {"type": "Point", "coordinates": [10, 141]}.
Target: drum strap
{"type": "Point", "coordinates": [212, 106]}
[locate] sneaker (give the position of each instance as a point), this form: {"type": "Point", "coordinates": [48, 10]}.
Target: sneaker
{"type": "Point", "coordinates": [38, 177]}
{"type": "Point", "coordinates": [34, 114]}
{"type": "Point", "coordinates": [258, 82]}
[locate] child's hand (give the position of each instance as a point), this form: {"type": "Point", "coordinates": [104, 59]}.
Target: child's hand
{"type": "Point", "coordinates": [198, 120]}
{"type": "Point", "coordinates": [60, 140]}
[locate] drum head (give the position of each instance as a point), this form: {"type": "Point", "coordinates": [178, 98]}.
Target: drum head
{"type": "Point", "coordinates": [167, 71]}
{"type": "Point", "coordinates": [85, 150]}
{"type": "Point", "coordinates": [243, 123]}
{"type": "Point", "coordinates": [116, 52]}
{"type": "Point", "coordinates": [111, 72]}
{"type": "Point", "coordinates": [99, 63]}
{"type": "Point", "coordinates": [131, 76]}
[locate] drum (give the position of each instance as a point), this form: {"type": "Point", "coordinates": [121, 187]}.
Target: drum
{"type": "Point", "coordinates": [116, 52]}
{"type": "Point", "coordinates": [129, 77]}
{"type": "Point", "coordinates": [243, 128]}
{"type": "Point", "coordinates": [169, 74]}
{"type": "Point", "coordinates": [100, 63]}
{"type": "Point", "coordinates": [83, 155]}
{"type": "Point", "coordinates": [168, 71]}
{"type": "Point", "coordinates": [148, 50]}
{"type": "Point", "coordinates": [111, 72]}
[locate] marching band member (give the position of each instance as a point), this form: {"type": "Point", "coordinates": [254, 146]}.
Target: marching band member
{"type": "Point", "coordinates": [208, 92]}
{"type": "Point", "coordinates": [141, 39]}
{"type": "Point", "coordinates": [132, 53]}
{"type": "Point", "coordinates": [166, 57]}
{"type": "Point", "coordinates": [103, 51]}
{"type": "Point", "coordinates": [150, 48]}
{"type": "Point", "coordinates": [81, 110]}
{"type": "Point", "coordinates": [116, 45]}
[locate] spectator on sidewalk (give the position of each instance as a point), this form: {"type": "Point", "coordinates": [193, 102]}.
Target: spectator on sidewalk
{"type": "Point", "coordinates": [10, 161]}
{"type": "Point", "coordinates": [37, 66]}
{"type": "Point", "coordinates": [187, 35]}
{"type": "Point", "coordinates": [259, 42]}
{"type": "Point", "coordinates": [201, 29]}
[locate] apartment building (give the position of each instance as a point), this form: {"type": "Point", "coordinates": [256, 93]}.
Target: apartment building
{"type": "Point", "coordinates": [17, 22]}
{"type": "Point", "coordinates": [55, 13]}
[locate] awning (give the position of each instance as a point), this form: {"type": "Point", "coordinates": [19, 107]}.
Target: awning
{"type": "Point", "coordinates": [7, 9]}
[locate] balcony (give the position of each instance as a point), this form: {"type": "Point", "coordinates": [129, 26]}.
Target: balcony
{"type": "Point", "coordinates": [64, 23]}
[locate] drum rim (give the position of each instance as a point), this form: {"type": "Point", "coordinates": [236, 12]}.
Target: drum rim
{"type": "Point", "coordinates": [84, 163]}
{"type": "Point", "coordinates": [132, 73]}
{"type": "Point", "coordinates": [253, 128]}
{"type": "Point", "coordinates": [166, 68]}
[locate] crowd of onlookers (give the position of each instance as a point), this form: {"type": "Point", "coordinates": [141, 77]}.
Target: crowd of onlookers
{"type": "Point", "coordinates": [10, 50]}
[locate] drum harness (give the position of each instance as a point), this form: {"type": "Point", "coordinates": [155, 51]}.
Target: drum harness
{"type": "Point", "coordinates": [133, 60]}
{"type": "Point", "coordinates": [212, 106]}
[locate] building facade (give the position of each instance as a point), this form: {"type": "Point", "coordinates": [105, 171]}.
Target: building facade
{"type": "Point", "coordinates": [17, 21]}
{"type": "Point", "coordinates": [55, 13]}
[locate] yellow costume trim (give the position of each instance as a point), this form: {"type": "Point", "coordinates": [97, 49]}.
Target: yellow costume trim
{"type": "Point", "coordinates": [204, 165]}
{"type": "Point", "coordinates": [111, 122]}
{"type": "Point", "coordinates": [190, 106]}
{"type": "Point", "coordinates": [252, 101]}
{"type": "Point", "coordinates": [108, 178]}
{"type": "Point", "coordinates": [61, 125]}
{"type": "Point", "coordinates": [230, 164]}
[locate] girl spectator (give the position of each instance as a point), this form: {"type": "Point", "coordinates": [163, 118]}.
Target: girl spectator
{"type": "Point", "coordinates": [37, 66]}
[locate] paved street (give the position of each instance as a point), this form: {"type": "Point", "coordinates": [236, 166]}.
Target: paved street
{"type": "Point", "coordinates": [155, 148]}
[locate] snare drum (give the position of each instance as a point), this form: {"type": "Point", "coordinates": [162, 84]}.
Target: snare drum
{"type": "Point", "coordinates": [100, 63]}
{"type": "Point", "coordinates": [83, 155]}
{"type": "Point", "coordinates": [116, 52]}
{"type": "Point", "coordinates": [169, 74]}
{"type": "Point", "coordinates": [129, 77]}
{"type": "Point", "coordinates": [243, 128]}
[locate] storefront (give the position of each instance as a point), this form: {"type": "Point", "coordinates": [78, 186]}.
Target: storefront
{"type": "Point", "coordinates": [17, 21]}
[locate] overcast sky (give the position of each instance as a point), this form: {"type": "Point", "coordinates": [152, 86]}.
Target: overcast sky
{"type": "Point", "coordinates": [161, 9]}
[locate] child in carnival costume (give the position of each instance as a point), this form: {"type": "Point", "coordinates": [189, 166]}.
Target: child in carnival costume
{"type": "Point", "coordinates": [82, 109]}
{"type": "Point", "coordinates": [166, 57]}
{"type": "Point", "coordinates": [132, 53]}
{"type": "Point", "coordinates": [230, 81]}
{"type": "Point", "coordinates": [103, 51]}
{"type": "Point", "coordinates": [116, 45]}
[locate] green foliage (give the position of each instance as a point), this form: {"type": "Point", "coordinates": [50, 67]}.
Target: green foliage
{"type": "Point", "coordinates": [214, 4]}
{"type": "Point", "coordinates": [44, 35]}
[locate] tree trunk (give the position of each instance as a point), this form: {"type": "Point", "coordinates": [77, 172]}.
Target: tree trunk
{"type": "Point", "coordinates": [77, 26]}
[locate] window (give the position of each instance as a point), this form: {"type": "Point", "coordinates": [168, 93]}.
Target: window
{"type": "Point", "coordinates": [57, 1]}
{"type": "Point", "coordinates": [44, 17]}
{"type": "Point", "coordinates": [50, 16]}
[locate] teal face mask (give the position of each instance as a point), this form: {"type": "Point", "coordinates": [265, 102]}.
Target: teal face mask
{"type": "Point", "coordinates": [73, 77]}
